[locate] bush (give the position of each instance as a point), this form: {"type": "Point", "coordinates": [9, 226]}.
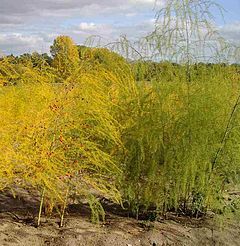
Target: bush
{"type": "Point", "coordinates": [173, 132]}
{"type": "Point", "coordinates": [58, 138]}
{"type": "Point", "coordinates": [159, 137]}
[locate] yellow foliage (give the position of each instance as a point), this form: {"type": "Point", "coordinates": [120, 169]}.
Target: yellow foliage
{"type": "Point", "coordinates": [65, 56]}
{"type": "Point", "coordinates": [60, 136]}
{"type": "Point", "coordinates": [151, 142]}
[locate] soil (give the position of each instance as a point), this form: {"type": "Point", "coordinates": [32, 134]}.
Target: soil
{"type": "Point", "coordinates": [18, 227]}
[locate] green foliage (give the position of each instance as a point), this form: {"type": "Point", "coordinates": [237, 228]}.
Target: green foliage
{"type": "Point", "coordinates": [157, 136]}
{"type": "Point", "coordinates": [185, 32]}
{"type": "Point", "coordinates": [152, 71]}
{"type": "Point", "coordinates": [172, 137]}
{"type": "Point", "coordinates": [8, 72]}
{"type": "Point", "coordinates": [101, 56]}
{"type": "Point", "coordinates": [26, 69]}
{"type": "Point", "coordinates": [98, 213]}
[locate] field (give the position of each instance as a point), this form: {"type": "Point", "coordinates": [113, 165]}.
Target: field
{"type": "Point", "coordinates": [148, 150]}
{"type": "Point", "coordinates": [139, 135]}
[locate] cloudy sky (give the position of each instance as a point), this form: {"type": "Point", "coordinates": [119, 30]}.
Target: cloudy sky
{"type": "Point", "coordinates": [32, 25]}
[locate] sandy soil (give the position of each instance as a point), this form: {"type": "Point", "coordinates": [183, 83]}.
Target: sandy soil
{"type": "Point", "coordinates": [18, 220]}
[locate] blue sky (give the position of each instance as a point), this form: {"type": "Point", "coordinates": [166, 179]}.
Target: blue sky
{"type": "Point", "coordinates": [32, 25]}
{"type": "Point", "coordinates": [232, 12]}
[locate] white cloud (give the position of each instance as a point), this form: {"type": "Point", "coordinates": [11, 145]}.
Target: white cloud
{"type": "Point", "coordinates": [21, 43]}
{"type": "Point", "coordinates": [29, 25]}
{"type": "Point", "coordinates": [131, 14]}
{"type": "Point", "coordinates": [36, 8]}
{"type": "Point", "coordinates": [86, 29]}
{"type": "Point", "coordinates": [88, 26]}
{"type": "Point", "coordinates": [143, 1]}
{"type": "Point", "coordinates": [36, 23]}
{"type": "Point", "coordinates": [231, 31]}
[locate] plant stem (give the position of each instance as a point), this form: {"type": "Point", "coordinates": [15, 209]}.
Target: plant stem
{"type": "Point", "coordinates": [64, 208]}
{"type": "Point", "coordinates": [225, 133]}
{"type": "Point", "coordinates": [41, 206]}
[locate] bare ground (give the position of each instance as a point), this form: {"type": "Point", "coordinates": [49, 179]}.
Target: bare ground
{"type": "Point", "coordinates": [18, 220]}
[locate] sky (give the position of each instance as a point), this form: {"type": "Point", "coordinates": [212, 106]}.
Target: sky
{"type": "Point", "coordinates": [32, 25]}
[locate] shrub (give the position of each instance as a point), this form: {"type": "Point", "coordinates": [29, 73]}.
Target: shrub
{"type": "Point", "coordinates": [171, 137]}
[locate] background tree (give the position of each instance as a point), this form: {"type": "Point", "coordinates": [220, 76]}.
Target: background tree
{"type": "Point", "coordinates": [65, 55]}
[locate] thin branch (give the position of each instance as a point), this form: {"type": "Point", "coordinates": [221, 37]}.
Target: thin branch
{"type": "Point", "coordinates": [225, 133]}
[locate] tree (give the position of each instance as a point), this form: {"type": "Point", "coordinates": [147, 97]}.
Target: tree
{"type": "Point", "coordinates": [65, 55]}
{"type": "Point", "coordinates": [47, 58]}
